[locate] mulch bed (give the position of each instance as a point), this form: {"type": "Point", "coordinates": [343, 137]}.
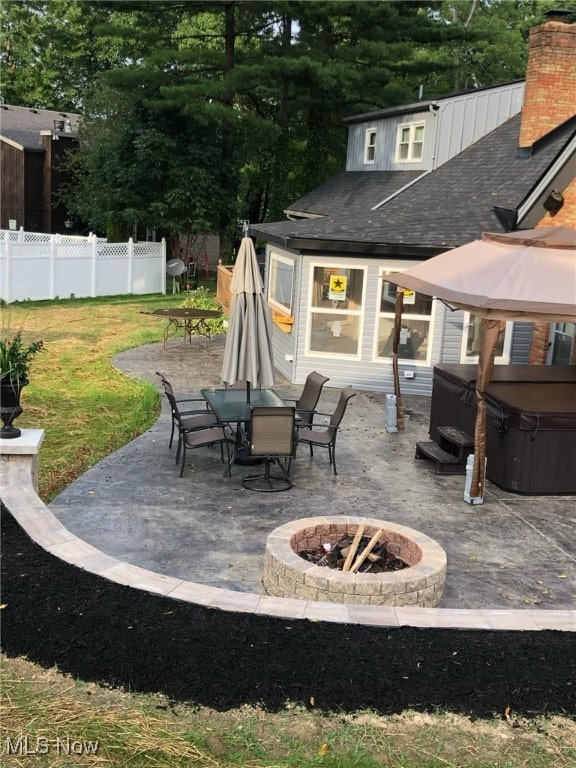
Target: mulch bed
{"type": "Point", "coordinates": [56, 614]}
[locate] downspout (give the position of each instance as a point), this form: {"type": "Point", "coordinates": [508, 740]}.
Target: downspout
{"type": "Point", "coordinates": [435, 110]}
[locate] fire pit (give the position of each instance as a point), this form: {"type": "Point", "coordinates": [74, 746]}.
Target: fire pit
{"type": "Point", "coordinates": [288, 574]}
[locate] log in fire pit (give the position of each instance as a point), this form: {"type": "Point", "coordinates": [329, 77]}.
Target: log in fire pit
{"type": "Point", "coordinates": [354, 560]}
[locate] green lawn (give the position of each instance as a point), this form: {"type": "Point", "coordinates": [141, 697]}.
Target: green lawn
{"type": "Point", "coordinates": [86, 407]}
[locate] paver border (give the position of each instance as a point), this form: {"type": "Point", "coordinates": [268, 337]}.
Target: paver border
{"type": "Point", "coordinates": [18, 486]}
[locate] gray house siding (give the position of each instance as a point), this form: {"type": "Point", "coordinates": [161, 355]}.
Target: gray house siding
{"type": "Point", "coordinates": [364, 373]}
{"type": "Point", "coordinates": [284, 344]}
{"type": "Point", "coordinates": [458, 122]}
{"type": "Point", "coordinates": [386, 137]}
{"type": "Point", "coordinates": [467, 118]}
{"type": "Point", "coordinates": [453, 328]}
{"type": "Point", "coordinates": [521, 343]}
{"type": "Point", "coordinates": [283, 352]}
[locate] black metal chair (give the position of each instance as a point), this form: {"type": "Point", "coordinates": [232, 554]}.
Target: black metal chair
{"type": "Point", "coordinates": [185, 420]}
{"type": "Point", "coordinates": [165, 383]}
{"type": "Point", "coordinates": [272, 438]}
{"type": "Point", "coordinates": [308, 400]}
{"type": "Point", "coordinates": [324, 435]}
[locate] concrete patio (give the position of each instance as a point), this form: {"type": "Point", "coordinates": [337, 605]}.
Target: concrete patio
{"type": "Point", "coordinates": [511, 552]}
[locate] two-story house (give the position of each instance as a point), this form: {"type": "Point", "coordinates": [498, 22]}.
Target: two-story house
{"type": "Point", "coordinates": [33, 143]}
{"type": "Point", "coordinates": [420, 180]}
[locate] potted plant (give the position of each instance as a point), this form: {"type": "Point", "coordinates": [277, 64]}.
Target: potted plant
{"type": "Point", "coordinates": [15, 361]}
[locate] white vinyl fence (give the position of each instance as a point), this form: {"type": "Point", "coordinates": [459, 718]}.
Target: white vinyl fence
{"type": "Point", "coordinates": [36, 266]}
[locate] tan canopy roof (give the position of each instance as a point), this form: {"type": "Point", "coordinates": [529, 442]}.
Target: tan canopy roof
{"type": "Point", "coordinates": [528, 275]}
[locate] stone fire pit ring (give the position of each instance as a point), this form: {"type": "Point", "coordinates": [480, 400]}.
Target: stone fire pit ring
{"type": "Point", "coordinates": [286, 574]}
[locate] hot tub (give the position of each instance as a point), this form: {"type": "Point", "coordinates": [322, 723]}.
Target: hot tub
{"type": "Point", "coordinates": [531, 422]}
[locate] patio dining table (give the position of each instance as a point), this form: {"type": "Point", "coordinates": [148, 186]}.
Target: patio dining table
{"type": "Point", "coordinates": [231, 406]}
{"type": "Point", "coordinates": [191, 321]}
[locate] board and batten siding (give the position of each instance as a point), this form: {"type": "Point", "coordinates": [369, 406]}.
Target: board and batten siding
{"type": "Point", "coordinates": [458, 122]}
{"type": "Point", "coordinates": [464, 120]}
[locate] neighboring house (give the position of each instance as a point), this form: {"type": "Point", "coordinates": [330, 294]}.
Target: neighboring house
{"type": "Point", "coordinates": [33, 143]}
{"type": "Point", "coordinates": [419, 181]}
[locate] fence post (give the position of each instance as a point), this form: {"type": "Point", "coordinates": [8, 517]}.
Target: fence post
{"type": "Point", "coordinates": [163, 265]}
{"type": "Point", "coordinates": [21, 237]}
{"type": "Point", "coordinates": [8, 271]}
{"type": "Point", "coordinates": [94, 244]}
{"type": "Point", "coordinates": [52, 266]}
{"type": "Point", "coordinates": [130, 262]}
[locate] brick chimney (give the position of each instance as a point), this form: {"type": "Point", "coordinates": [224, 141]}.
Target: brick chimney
{"type": "Point", "coordinates": [550, 95]}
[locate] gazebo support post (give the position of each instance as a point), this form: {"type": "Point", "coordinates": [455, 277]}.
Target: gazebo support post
{"type": "Point", "coordinates": [399, 306]}
{"type": "Point", "coordinates": [489, 332]}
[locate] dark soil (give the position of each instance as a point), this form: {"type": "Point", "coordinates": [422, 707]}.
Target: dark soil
{"type": "Point", "coordinates": [56, 614]}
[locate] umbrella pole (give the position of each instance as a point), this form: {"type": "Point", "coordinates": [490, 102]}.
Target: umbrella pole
{"type": "Point", "coordinates": [395, 343]}
{"type": "Point", "coordinates": [489, 332]}
{"type": "Point", "coordinates": [248, 391]}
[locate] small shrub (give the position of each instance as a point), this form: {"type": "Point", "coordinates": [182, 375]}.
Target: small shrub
{"type": "Point", "coordinates": [203, 298]}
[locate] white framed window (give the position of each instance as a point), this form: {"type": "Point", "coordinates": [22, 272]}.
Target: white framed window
{"type": "Point", "coordinates": [370, 146]}
{"type": "Point", "coordinates": [410, 143]}
{"type": "Point", "coordinates": [562, 341]}
{"type": "Point", "coordinates": [417, 322]}
{"type": "Point", "coordinates": [471, 340]}
{"type": "Point", "coordinates": [335, 310]}
{"type": "Point", "coordinates": [281, 283]}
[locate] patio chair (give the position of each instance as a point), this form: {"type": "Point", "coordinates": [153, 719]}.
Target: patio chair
{"type": "Point", "coordinates": [183, 420]}
{"type": "Point", "coordinates": [272, 439]}
{"type": "Point", "coordinates": [308, 400]}
{"type": "Point", "coordinates": [324, 435]}
{"type": "Point", "coordinates": [165, 383]}
{"type": "Point", "coordinates": [202, 437]}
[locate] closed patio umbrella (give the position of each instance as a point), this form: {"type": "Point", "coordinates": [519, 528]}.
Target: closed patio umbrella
{"type": "Point", "coordinates": [248, 350]}
{"type": "Point", "coordinates": [525, 275]}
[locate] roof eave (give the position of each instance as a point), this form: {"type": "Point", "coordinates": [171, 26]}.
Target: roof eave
{"type": "Point", "coordinates": [408, 109]}
{"type": "Point", "coordinates": [15, 144]}
{"type": "Point", "coordinates": [322, 245]}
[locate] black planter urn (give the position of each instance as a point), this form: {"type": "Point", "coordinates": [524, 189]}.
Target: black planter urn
{"type": "Point", "coordinates": [10, 406]}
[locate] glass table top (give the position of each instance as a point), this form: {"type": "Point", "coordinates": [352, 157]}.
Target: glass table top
{"type": "Point", "coordinates": [232, 404]}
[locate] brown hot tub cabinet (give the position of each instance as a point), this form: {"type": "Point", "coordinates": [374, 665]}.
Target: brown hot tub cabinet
{"type": "Point", "coordinates": [531, 423]}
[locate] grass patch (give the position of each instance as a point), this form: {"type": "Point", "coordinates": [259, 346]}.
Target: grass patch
{"type": "Point", "coordinates": [152, 732]}
{"type": "Point", "coordinates": [86, 407]}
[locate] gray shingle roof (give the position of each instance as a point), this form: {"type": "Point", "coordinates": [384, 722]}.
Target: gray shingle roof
{"type": "Point", "coordinates": [447, 207]}
{"type": "Point", "coordinates": [23, 124]}
{"type": "Point", "coordinates": [352, 192]}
